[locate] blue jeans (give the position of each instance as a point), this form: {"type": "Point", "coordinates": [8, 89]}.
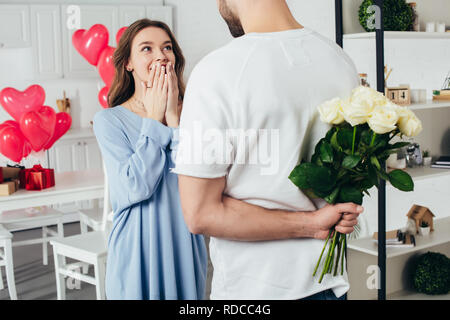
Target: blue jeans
{"type": "Point", "coordinates": [325, 295]}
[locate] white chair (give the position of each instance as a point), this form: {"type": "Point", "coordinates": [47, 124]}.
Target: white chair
{"type": "Point", "coordinates": [89, 248]}
{"type": "Point", "coordinates": [41, 217]}
{"type": "Point", "coordinates": [6, 260]}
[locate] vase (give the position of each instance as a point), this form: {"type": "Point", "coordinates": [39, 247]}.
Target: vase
{"type": "Point", "coordinates": [427, 161]}
{"type": "Point", "coordinates": [425, 231]}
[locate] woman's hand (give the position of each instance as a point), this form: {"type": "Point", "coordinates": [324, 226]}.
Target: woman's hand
{"type": "Point", "coordinates": [173, 109]}
{"type": "Point", "coordinates": [155, 93]}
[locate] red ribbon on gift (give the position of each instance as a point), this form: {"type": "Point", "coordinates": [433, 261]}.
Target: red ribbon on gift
{"type": "Point", "coordinates": [37, 178]}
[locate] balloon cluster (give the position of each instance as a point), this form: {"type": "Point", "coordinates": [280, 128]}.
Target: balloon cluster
{"type": "Point", "coordinates": [35, 127]}
{"type": "Point", "coordinates": [93, 45]}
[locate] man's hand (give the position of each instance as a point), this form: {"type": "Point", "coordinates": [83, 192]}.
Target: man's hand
{"type": "Point", "coordinates": [343, 215]}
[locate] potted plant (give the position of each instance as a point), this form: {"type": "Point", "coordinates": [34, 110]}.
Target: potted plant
{"type": "Point", "coordinates": [426, 158]}
{"type": "Point", "coordinates": [424, 228]}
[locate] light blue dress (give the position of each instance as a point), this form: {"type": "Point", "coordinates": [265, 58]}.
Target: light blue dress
{"type": "Point", "coordinates": [151, 254]}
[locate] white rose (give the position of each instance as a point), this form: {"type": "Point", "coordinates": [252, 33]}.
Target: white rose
{"type": "Point", "coordinates": [368, 97]}
{"type": "Point", "coordinates": [355, 113]}
{"type": "Point", "coordinates": [383, 119]}
{"type": "Point", "coordinates": [331, 111]}
{"type": "Point", "coordinates": [408, 122]}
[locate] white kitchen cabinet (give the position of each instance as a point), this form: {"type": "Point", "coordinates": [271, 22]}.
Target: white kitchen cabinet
{"type": "Point", "coordinates": [14, 26]}
{"type": "Point", "coordinates": [46, 41]}
{"type": "Point", "coordinates": [161, 13]}
{"type": "Point", "coordinates": [129, 14]}
{"type": "Point", "coordinates": [75, 66]}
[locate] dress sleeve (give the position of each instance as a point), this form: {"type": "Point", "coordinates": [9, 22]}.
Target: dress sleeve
{"type": "Point", "coordinates": [135, 171]}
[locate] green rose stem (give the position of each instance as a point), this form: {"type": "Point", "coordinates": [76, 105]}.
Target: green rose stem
{"type": "Point", "coordinates": [329, 257]}
{"type": "Point", "coordinates": [354, 137]}
{"type": "Point", "coordinates": [336, 264]}
{"type": "Point", "coordinates": [344, 240]}
{"type": "Point", "coordinates": [373, 139]}
{"type": "Point", "coordinates": [321, 254]}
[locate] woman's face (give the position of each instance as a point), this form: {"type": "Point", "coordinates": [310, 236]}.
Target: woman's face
{"type": "Point", "coordinates": [151, 45]}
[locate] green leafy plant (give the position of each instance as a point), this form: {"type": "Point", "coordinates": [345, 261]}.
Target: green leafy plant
{"type": "Point", "coordinates": [424, 224]}
{"type": "Point", "coordinates": [431, 273]}
{"type": "Point", "coordinates": [426, 153]}
{"type": "Point", "coordinates": [397, 15]}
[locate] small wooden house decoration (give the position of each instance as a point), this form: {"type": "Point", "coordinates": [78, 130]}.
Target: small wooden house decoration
{"type": "Point", "coordinates": [399, 95]}
{"type": "Point", "coordinates": [421, 214]}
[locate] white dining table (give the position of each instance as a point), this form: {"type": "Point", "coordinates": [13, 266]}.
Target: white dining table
{"type": "Point", "coordinates": [69, 186]}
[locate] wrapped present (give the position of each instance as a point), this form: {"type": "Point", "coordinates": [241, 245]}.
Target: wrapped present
{"type": "Point", "coordinates": [37, 178]}
{"type": "Point", "coordinates": [1, 175]}
{"type": "Point", "coordinates": [7, 188]}
{"type": "Point", "coordinates": [11, 172]}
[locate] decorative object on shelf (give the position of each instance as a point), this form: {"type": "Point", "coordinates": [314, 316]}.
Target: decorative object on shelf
{"type": "Point", "coordinates": [63, 104]}
{"type": "Point", "coordinates": [397, 238]}
{"type": "Point", "coordinates": [397, 15]}
{"type": "Point", "coordinates": [430, 26]}
{"type": "Point", "coordinates": [421, 214]}
{"type": "Point", "coordinates": [426, 158]}
{"type": "Point", "coordinates": [7, 188]}
{"type": "Point", "coordinates": [424, 229]}
{"type": "Point", "coordinates": [442, 162]}
{"type": "Point", "coordinates": [418, 95]}
{"type": "Point", "coordinates": [431, 273]}
{"type": "Point", "coordinates": [347, 162]}
{"type": "Point", "coordinates": [413, 155]}
{"type": "Point", "coordinates": [415, 25]}
{"type": "Point", "coordinates": [444, 93]}
{"type": "Point", "coordinates": [440, 27]}
{"type": "Point", "coordinates": [387, 74]}
{"type": "Point", "coordinates": [363, 80]}
{"type": "Point", "coordinates": [399, 95]}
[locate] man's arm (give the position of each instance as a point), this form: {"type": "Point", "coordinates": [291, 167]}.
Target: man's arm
{"type": "Point", "coordinates": [207, 211]}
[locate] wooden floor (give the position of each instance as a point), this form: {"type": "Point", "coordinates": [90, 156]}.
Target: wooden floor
{"type": "Point", "coordinates": [34, 281]}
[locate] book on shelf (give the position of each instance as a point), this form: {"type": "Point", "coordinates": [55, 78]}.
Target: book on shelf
{"type": "Point", "coordinates": [443, 166]}
{"type": "Point", "coordinates": [443, 160]}
{"type": "Point", "coordinates": [397, 238]}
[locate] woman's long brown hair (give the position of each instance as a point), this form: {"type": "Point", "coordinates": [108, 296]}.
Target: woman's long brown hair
{"type": "Point", "coordinates": [122, 87]}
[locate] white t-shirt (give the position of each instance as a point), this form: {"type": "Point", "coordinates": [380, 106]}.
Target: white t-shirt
{"type": "Point", "coordinates": [250, 114]}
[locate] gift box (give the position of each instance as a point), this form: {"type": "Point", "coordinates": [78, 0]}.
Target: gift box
{"type": "Point", "coordinates": [10, 173]}
{"type": "Point", "coordinates": [1, 175]}
{"type": "Point", "coordinates": [7, 188]}
{"type": "Point", "coordinates": [37, 178]}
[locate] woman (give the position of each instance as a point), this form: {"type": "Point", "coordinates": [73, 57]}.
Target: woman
{"type": "Point", "coordinates": [151, 253]}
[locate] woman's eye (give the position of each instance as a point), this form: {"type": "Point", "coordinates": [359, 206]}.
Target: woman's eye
{"type": "Point", "coordinates": [144, 49]}
{"type": "Point", "coordinates": [168, 48]}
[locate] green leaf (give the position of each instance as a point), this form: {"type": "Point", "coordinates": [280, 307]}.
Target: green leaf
{"type": "Point", "coordinates": [401, 180]}
{"type": "Point", "coordinates": [383, 175]}
{"type": "Point", "coordinates": [366, 137]}
{"type": "Point", "coordinates": [299, 175]}
{"type": "Point", "coordinates": [399, 145]}
{"type": "Point", "coordinates": [350, 194]}
{"type": "Point", "coordinates": [334, 142]}
{"type": "Point", "coordinates": [326, 152]}
{"type": "Point", "coordinates": [373, 177]}
{"type": "Point", "coordinates": [331, 199]}
{"type": "Point", "coordinates": [330, 133]}
{"type": "Point", "coordinates": [350, 162]}
{"type": "Point", "coordinates": [345, 138]}
{"type": "Point", "coordinates": [375, 162]}
{"type": "Point", "coordinates": [320, 179]}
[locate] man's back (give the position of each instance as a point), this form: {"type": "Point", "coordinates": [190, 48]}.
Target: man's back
{"type": "Point", "coordinates": [262, 91]}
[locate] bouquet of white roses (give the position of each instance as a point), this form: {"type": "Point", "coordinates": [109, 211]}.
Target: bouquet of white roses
{"type": "Point", "coordinates": [346, 162]}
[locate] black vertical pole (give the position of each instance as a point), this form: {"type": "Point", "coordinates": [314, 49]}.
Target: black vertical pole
{"type": "Point", "coordinates": [339, 24]}
{"type": "Point", "coordinates": [382, 186]}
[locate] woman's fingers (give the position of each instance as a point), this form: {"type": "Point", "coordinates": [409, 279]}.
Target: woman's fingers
{"type": "Point", "coordinates": [162, 74]}
{"type": "Point", "coordinates": [157, 75]}
{"type": "Point", "coordinates": [151, 76]}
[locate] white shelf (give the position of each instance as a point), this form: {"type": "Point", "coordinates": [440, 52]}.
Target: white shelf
{"type": "Point", "coordinates": [440, 235]}
{"type": "Point", "coordinates": [411, 295]}
{"type": "Point", "coordinates": [430, 104]}
{"type": "Point", "coordinates": [78, 133]}
{"type": "Point", "coordinates": [419, 173]}
{"type": "Point", "coordinates": [400, 35]}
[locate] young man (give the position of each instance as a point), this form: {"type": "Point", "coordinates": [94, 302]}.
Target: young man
{"type": "Point", "coordinates": [249, 117]}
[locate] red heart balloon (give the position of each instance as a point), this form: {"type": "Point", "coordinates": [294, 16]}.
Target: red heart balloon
{"type": "Point", "coordinates": [63, 123]}
{"type": "Point", "coordinates": [119, 34]}
{"type": "Point", "coordinates": [105, 65]}
{"type": "Point", "coordinates": [103, 97]}
{"type": "Point", "coordinates": [90, 43]}
{"type": "Point", "coordinates": [16, 103]}
{"type": "Point", "coordinates": [38, 126]}
{"type": "Point", "coordinates": [14, 124]}
{"type": "Point", "coordinates": [12, 143]}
